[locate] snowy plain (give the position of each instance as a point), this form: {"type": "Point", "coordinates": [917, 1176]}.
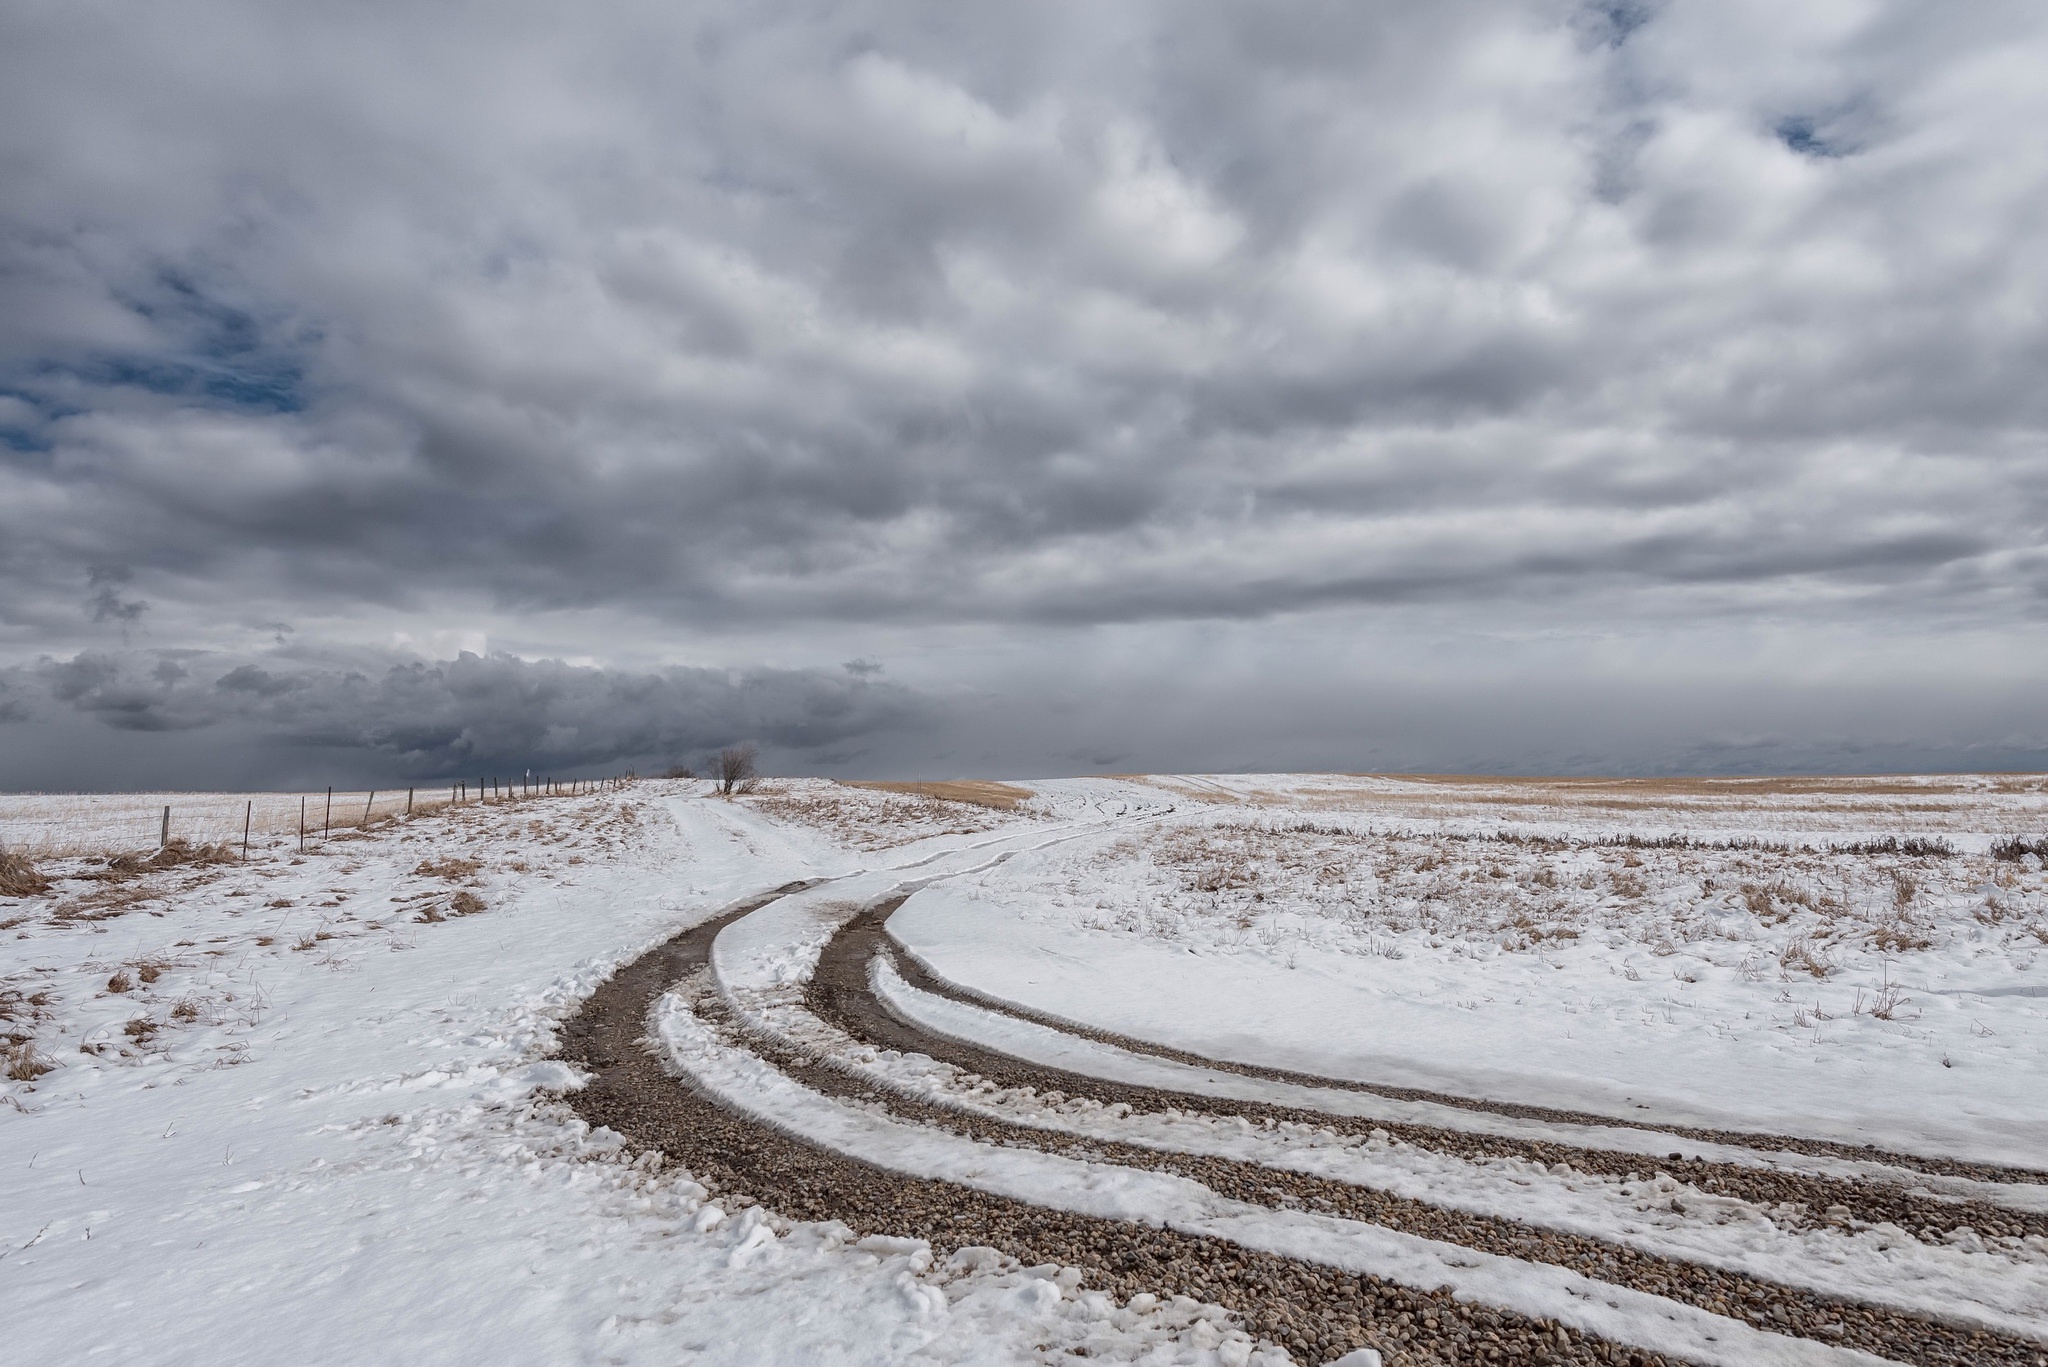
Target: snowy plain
{"type": "Point", "coordinates": [1732, 988]}
{"type": "Point", "coordinates": [333, 1142]}
{"type": "Point", "coordinates": [314, 1122]}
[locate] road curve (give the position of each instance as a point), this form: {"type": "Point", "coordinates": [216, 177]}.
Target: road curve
{"type": "Point", "coordinates": [1318, 1313]}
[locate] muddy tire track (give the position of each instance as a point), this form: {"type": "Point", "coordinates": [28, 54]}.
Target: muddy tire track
{"type": "Point", "coordinates": [839, 994]}
{"type": "Point", "coordinates": [1318, 1313]}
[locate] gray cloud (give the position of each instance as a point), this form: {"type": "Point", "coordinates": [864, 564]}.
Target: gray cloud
{"type": "Point", "coordinates": [622, 333]}
{"type": "Point", "coordinates": [455, 718]}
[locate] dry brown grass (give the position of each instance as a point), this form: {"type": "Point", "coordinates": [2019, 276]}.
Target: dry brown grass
{"type": "Point", "coordinates": [22, 1062]}
{"type": "Point", "coordinates": [18, 877]}
{"type": "Point", "coordinates": [1880, 785]}
{"type": "Point", "coordinates": [451, 868]}
{"type": "Point", "coordinates": [104, 904]}
{"type": "Point", "coordinates": [1803, 956]}
{"type": "Point", "coordinates": [1003, 797]}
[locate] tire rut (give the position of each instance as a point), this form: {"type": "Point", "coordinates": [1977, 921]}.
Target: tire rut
{"type": "Point", "coordinates": [1317, 1313]}
{"type": "Point", "coordinates": [924, 979]}
{"type": "Point", "coordinates": [839, 994]}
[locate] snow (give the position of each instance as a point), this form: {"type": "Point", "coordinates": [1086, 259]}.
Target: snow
{"type": "Point", "coordinates": [1881, 1264]}
{"type": "Point", "coordinates": [345, 1155]}
{"type": "Point", "coordinates": [1059, 1049]}
{"type": "Point", "coordinates": [1502, 970]}
{"type": "Point", "coordinates": [314, 1121]}
{"type": "Point", "coordinates": [60, 824]}
{"type": "Point", "coordinates": [746, 1083]}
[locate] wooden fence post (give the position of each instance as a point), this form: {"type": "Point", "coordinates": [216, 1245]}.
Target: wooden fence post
{"type": "Point", "coordinates": [165, 838]}
{"type": "Point", "coordinates": [248, 814]}
{"type": "Point", "coordinates": [327, 817]}
{"type": "Point", "coordinates": [408, 802]}
{"type": "Point", "coordinates": [302, 823]}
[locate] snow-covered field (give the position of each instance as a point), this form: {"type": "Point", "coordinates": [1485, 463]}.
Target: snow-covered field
{"type": "Point", "coordinates": [304, 1109]}
{"type": "Point", "coordinates": [1767, 974]}
{"type": "Point", "coordinates": [71, 824]}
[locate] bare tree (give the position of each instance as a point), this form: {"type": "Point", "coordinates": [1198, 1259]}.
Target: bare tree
{"type": "Point", "coordinates": [736, 768]}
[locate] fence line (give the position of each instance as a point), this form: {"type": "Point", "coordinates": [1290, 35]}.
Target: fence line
{"type": "Point", "coordinates": [57, 825]}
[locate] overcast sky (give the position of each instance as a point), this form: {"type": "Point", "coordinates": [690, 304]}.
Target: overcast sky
{"type": "Point", "coordinates": [420, 389]}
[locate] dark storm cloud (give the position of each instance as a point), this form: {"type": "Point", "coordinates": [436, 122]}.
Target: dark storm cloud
{"type": "Point", "coordinates": [710, 316]}
{"type": "Point", "coordinates": [466, 715]}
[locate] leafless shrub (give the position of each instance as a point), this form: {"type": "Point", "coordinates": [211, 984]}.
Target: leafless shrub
{"type": "Point", "coordinates": [736, 768]}
{"type": "Point", "coordinates": [19, 877]}
{"type": "Point", "coordinates": [680, 771]}
{"type": "Point", "coordinates": [2012, 849]}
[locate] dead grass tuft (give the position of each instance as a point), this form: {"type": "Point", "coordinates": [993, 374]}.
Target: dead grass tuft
{"type": "Point", "coordinates": [465, 904]}
{"type": "Point", "coordinates": [24, 1062]}
{"type": "Point", "coordinates": [1886, 1004]}
{"type": "Point", "coordinates": [1803, 956]}
{"type": "Point", "coordinates": [1895, 934]}
{"type": "Point", "coordinates": [1913, 846]}
{"type": "Point", "coordinates": [179, 853]}
{"type": "Point", "coordinates": [19, 877]}
{"type": "Point", "coordinates": [451, 868]}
